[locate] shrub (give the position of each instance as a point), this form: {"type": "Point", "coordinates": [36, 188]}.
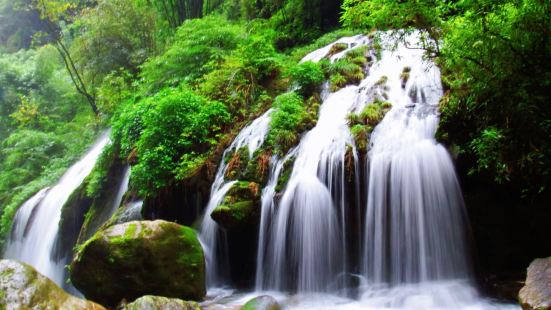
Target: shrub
{"type": "Point", "coordinates": [307, 76]}
{"type": "Point", "coordinates": [178, 127]}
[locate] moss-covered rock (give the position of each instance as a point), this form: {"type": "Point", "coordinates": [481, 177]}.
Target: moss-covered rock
{"type": "Point", "coordinates": [139, 258]}
{"type": "Point", "coordinates": [22, 287]}
{"type": "Point", "coordinates": [150, 302]}
{"type": "Point", "coordinates": [264, 302]}
{"type": "Point", "coordinates": [241, 206]}
{"type": "Point", "coordinates": [347, 70]}
{"type": "Point", "coordinates": [536, 294]}
{"type": "Point", "coordinates": [362, 124]}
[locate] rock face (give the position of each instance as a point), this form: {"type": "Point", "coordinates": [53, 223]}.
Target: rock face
{"type": "Point", "coordinates": [155, 302]}
{"type": "Point", "coordinates": [240, 208]}
{"type": "Point", "coordinates": [22, 287]}
{"type": "Point", "coordinates": [536, 293]}
{"type": "Point", "coordinates": [264, 302]}
{"type": "Point", "coordinates": [134, 259]}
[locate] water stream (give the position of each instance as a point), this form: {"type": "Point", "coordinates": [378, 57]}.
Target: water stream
{"type": "Point", "coordinates": [212, 237]}
{"type": "Point", "coordinates": [37, 221]}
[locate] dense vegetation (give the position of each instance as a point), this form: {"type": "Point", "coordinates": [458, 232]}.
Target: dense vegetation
{"type": "Point", "coordinates": [177, 79]}
{"type": "Point", "coordinates": [495, 58]}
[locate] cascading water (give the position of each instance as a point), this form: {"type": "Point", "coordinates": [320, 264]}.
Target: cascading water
{"type": "Point", "coordinates": [212, 237]}
{"type": "Point", "coordinates": [304, 247]}
{"type": "Point", "coordinates": [36, 223]}
{"type": "Point", "coordinates": [415, 223]}
{"type": "Point", "coordinates": [415, 250]}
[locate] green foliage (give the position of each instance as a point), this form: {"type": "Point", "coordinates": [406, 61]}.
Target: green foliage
{"type": "Point", "coordinates": [362, 124]}
{"type": "Point", "coordinates": [392, 14]}
{"type": "Point", "coordinates": [111, 36]}
{"type": "Point", "coordinates": [289, 119]}
{"type": "Point", "coordinates": [177, 122]}
{"type": "Point", "coordinates": [307, 76]}
{"type": "Point", "coordinates": [486, 147]}
{"type": "Point", "coordinates": [285, 174]}
{"type": "Point", "coordinates": [348, 69]}
{"type": "Point", "coordinates": [199, 46]}
{"type": "Point", "coordinates": [18, 24]}
{"type": "Point", "coordinates": [494, 58]}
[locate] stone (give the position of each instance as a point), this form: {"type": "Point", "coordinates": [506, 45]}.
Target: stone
{"type": "Point", "coordinates": [536, 293]}
{"type": "Point", "coordinates": [263, 302]}
{"type": "Point", "coordinates": [150, 302]}
{"type": "Point", "coordinates": [22, 287]}
{"type": "Point", "coordinates": [138, 258]}
{"type": "Point", "coordinates": [240, 208]}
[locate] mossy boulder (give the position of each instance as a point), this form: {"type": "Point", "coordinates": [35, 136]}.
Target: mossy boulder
{"type": "Point", "coordinates": [536, 293]}
{"type": "Point", "coordinates": [241, 206]}
{"type": "Point", "coordinates": [22, 287]}
{"type": "Point", "coordinates": [156, 302]}
{"type": "Point", "coordinates": [264, 302]}
{"type": "Point", "coordinates": [140, 258]}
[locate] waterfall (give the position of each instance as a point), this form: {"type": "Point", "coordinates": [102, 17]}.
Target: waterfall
{"type": "Point", "coordinates": [303, 245]}
{"type": "Point", "coordinates": [122, 189]}
{"type": "Point", "coordinates": [212, 237]}
{"type": "Point", "coordinates": [36, 222]}
{"type": "Point", "coordinates": [415, 227]}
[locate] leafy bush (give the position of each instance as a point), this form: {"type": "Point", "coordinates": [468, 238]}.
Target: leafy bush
{"type": "Point", "coordinates": [178, 126]}
{"type": "Point", "coordinates": [198, 47]}
{"type": "Point", "coordinates": [307, 76]}
{"type": "Point", "coordinates": [289, 119]}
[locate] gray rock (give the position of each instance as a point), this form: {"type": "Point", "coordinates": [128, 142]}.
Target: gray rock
{"type": "Point", "coordinates": [22, 287]}
{"type": "Point", "coordinates": [150, 302]}
{"type": "Point", "coordinates": [536, 293]}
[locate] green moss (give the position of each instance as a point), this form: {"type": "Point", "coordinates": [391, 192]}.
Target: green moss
{"type": "Point", "coordinates": [404, 76]}
{"type": "Point", "coordinates": [151, 252]}
{"type": "Point", "coordinates": [289, 120]}
{"type": "Point", "coordinates": [285, 174]}
{"type": "Point", "coordinates": [240, 207]}
{"type": "Point", "coordinates": [347, 70]}
{"type": "Point", "coordinates": [362, 124]}
{"type": "Point", "coordinates": [336, 48]}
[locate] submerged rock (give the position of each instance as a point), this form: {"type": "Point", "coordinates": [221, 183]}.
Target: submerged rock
{"type": "Point", "coordinates": [240, 208]}
{"type": "Point", "coordinates": [134, 259]}
{"type": "Point", "coordinates": [536, 293]}
{"type": "Point", "coordinates": [22, 287]}
{"type": "Point", "coordinates": [156, 302]}
{"type": "Point", "coordinates": [263, 302]}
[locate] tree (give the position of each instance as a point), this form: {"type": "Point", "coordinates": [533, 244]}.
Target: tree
{"type": "Point", "coordinates": [53, 12]}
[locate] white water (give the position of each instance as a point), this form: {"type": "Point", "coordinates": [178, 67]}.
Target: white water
{"type": "Point", "coordinates": [122, 189]}
{"type": "Point", "coordinates": [212, 237]}
{"type": "Point", "coordinates": [33, 244]}
{"type": "Point", "coordinates": [415, 252]}
{"type": "Point", "coordinates": [303, 248]}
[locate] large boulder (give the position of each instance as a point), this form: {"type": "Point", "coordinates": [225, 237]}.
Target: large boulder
{"type": "Point", "coordinates": [536, 293]}
{"type": "Point", "coordinates": [22, 287]}
{"type": "Point", "coordinates": [156, 302]}
{"type": "Point", "coordinates": [240, 208]}
{"type": "Point", "coordinates": [138, 258]}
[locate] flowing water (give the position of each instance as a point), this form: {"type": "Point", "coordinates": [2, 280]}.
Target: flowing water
{"type": "Point", "coordinates": [212, 237]}
{"type": "Point", "coordinates": [414, 239]}
{"type": "Point", "coordinates": [36, 222]}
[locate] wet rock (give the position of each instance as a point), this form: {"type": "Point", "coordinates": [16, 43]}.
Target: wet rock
{"type": "Point", "coordinates": [536, 293]}
{"type": "Point", "coordinates": [156, 302]}
{"type": "Point", "coordinates": [240, 208]}
{"type": "Point", "coordinates": [134, 259]}
{"type": "Point", "coordinates": [264, 302]}
{"type": "Point", "coordinates": [22, 287]}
